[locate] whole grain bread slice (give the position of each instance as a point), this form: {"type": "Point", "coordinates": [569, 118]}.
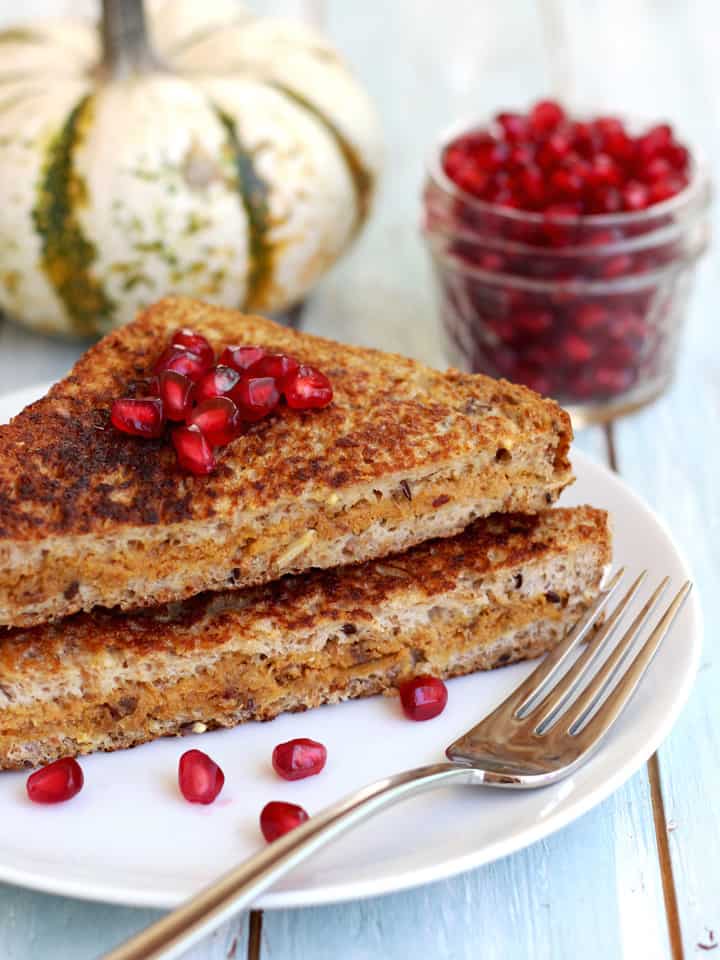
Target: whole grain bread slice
{"type": "Point", "coordinates": [91, 517]}
{"type": "Point", "coordinates": [505, 589]}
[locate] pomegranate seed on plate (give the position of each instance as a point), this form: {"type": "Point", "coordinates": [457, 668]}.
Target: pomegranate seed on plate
{"type": "Point", "coordinates": [141, 417]}
{"type": "Point", "coordinates": [256, 397]}
{"type": "Point", "coordinates": [307, 389]}
{"type": "Point", "coordinates": [217, 382]}
{"type": "Point", "coordinates": [181, 360]}
{"type": "Point", "coordinates": [200, 779]}
{"type": "Point", "coordinates": [276, 365]}
{"type": "Point", "coordinates": [176, 393]}
{"type": "Point", "coordinates": [57, 782]}
{"type": "Point", "coordinates": [195, 343]}
{"type": "Point", "coordinates": [423, 697]}
{"type": "Point", "coordinates": [299, 758]}
{"type": "Point", "coordinates": [218, 419]}
{"type": "Point", "coordinates": [240, 358]}
{"type": "Point", "coordinates": [194, 453]}
{"type": "Point", "coordinates": [278, 818]}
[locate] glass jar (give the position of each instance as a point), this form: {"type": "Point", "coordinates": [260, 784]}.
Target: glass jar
{"type": "Point", "coordinates": [587, 309]}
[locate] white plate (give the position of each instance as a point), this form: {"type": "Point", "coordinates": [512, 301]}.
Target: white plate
{"type": "Point", "coordinates": [130, 838]}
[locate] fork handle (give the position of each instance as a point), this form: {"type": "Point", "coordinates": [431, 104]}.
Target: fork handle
{"type": "Point", "coordinates": [182, 928]}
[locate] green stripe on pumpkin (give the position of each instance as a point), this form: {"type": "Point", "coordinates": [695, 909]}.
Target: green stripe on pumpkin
{"type": "Point", "coordinates": [22, 35]}
{"type": "Point", "coordinates": [254, 195]}
{"type": "Point", "coordinates": [67, 254]}
{"type": "Point", "coordinates": [362, 178]}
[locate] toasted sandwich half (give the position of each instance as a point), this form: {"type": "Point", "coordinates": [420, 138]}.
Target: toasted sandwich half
{"type": "Point", "coordinates": [89, 516]}
{"type": "Point", "coordinates": [506, 588]}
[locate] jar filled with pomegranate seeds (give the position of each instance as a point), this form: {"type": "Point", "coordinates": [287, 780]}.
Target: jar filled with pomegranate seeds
{"type": "Point", "coordinates": [564, 250]}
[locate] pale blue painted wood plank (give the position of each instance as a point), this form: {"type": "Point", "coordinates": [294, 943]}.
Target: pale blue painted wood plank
{"type": "Point", "coordinates": [665, 63]}
{"type": "Point", "coordinates": [35, 926]}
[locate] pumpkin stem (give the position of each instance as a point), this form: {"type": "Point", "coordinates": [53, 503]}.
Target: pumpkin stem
{"type": "Point", "coordinates": [125, 42]}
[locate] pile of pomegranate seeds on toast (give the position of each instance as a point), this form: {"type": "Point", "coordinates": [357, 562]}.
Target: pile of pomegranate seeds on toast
{"type": "Point", "coordinates": [213, 402]}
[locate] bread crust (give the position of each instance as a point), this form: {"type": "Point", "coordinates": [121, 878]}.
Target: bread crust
{"type": "Point", "coordinates": [504, 589]}
{"type": "Point", "coordinates": [91, 517]}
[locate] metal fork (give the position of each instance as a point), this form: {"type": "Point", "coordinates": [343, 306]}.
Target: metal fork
{"type": "Point", "coordinates": [543, 731]}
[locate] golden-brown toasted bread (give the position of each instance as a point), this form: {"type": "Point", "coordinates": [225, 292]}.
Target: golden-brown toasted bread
{"type": "Point", "coordinates": [89, 516]}
{"type": "Point", "coordinates": [504, 589]}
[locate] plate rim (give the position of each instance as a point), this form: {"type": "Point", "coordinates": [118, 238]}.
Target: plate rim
{"type": "Point", "coordinates": [410, 878]}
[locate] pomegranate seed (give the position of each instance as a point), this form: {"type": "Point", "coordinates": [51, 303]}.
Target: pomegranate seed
{"type": "Point", "coordinates": [276, 365]}
{"type": "Point", "coordinates": [57, 782]}
{"type": "Point", "coordinates": [195, 343]}
{"type": "Point", "coordinates": [514, 125]}
{"type": "Point", "coordinates": [533, 321]}
{"type": "Point", "coordinates": [299, 758]}
{"type": "Point", "coordinates": [423, 697]}
{"type": "Point", "coordinates": [609, 126]}
{"type": "Point", "coordinates": [278, 818]}
{"type": "Point", "coordinates": [256, 397]}
{"type": "Point", "coordinates": [677, 156]}
{"type": "Point", "coordinates": [604, 171]}
{"type": "Point", "coordinates": [616, 266]}
{"type": "Point", "coordinates": [591, 317]}
{"type": "Point", "coordinates": [657, 169]}
{"type": "Point", "coordinates": [567, 184]}
{"type": "Point", "coordinates": [532, 186]}
{"type": "Point", "coordinates": [576, 349]}
{"type": "Point", "coordinates": [307, 389]}
{"type": "Point", "coordinates": [635, 196]}
{"type": "Point", "coordinates": [546, 116]}
{"type": "Point", "coordinates": [218, 382]}
{"type": "Point", "coordinates": [193, 451]}
{"type": "Point", "coordinates": [555, 149]}
{"type": "Point", "coordinates": [218, 419]}
{"type": "Point", "coordinates": [665, 189]}
{"type": "Point", "coordinates": [240, 358]}
{"type": "Point", "coordinates": [181, 360]}
{"type": "Point", "coordinates": [176, 393]}
{"type": "Point", "coordinates": [606, 200]}
{"type": "Point", "coordinates": [471, 180]}
{"type": "Point", "coordinates": [655, 140]}
{"type": "Point", "coordinates": [200, 779]}
{"type": "Point", "coordinates": [138, 417]}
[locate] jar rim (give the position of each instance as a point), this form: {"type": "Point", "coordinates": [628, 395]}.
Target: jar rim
{"type": "Point", "coordinates": [697, 187]}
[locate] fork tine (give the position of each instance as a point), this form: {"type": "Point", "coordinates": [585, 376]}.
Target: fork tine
{"type": "Point", "coordinates": [520, 699]}
{"type": "Point", "coordinates": [603, 678]}
{"type": "Point", "coordinates": [570, 682]}
{"type": "Point", "coordinates": [628, 682]}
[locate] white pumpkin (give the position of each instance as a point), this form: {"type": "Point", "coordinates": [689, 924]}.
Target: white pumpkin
{"type": "Point", "coordinates": [232, 159]}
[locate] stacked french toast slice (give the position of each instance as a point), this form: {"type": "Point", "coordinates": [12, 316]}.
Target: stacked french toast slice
{"type": "Point", "coordinates": [404, 528]}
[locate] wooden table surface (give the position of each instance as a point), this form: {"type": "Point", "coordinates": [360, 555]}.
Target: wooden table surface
{"type": "Point", "coordinates": [639, 876]}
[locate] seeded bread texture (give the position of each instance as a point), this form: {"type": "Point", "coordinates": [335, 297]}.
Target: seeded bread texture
{"type": "Point", "coordinates": [505, 589]}
{"type": "Point", "coordinates": [404, 453]}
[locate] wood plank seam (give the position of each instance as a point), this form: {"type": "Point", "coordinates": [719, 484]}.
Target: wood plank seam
{"type": "Point", "coordinates": [255, 935]}
{"type": "Point", "coordinates": [660, 824]}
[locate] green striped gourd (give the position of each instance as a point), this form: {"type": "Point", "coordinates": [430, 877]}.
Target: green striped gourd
{"type": "Point", "coordinates": [204, 152]}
